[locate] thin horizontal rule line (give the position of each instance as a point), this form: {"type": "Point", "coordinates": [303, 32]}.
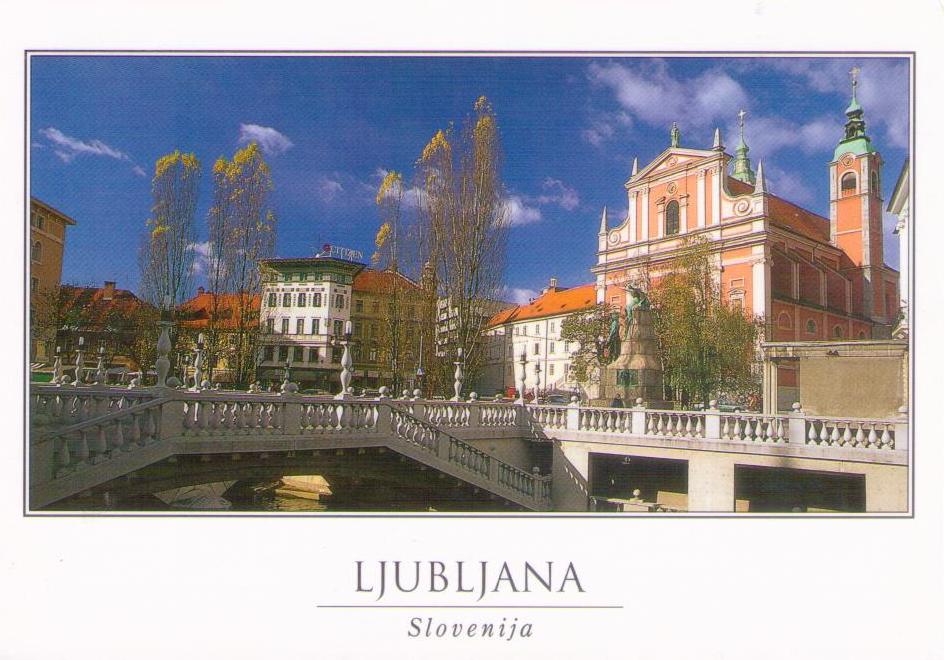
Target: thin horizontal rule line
{"type": "Point", "coordinates": [479, 607]}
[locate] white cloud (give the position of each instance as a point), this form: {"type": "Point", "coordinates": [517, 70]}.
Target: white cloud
{"type": "Point", "coordinates": [204, 261]}
{"type": "Point", "coordinates": [519, 213]}
{"type": "Point", "coordinates": [604, 125]}
{"type": "Point", "coordinates": [139, 171]}
{"type": "Point", "coordinates": [883, 89]}
{"type": "Point", "coordinates": [328, 189]}
{"type": "Point", "coordinates": [67, 147]}
{"type": "Point", "coordinates": [557, 192]}
{"type": "Point", "coordinates": [270, 140]}
{"type": "Point", "coordinates": [518, 296]}
{"type": "Point", "coordinates": [650, 93]}
{"type": "Point", "coordinates": [787, 185]}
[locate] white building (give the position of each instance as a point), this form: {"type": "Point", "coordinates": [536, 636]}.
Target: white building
{"type": "Point", "coordinates": [535, 330]}
{"type": "Point", "coordinates": [899, 204]}
{"type": "Point", "coordinates": [306, 303]}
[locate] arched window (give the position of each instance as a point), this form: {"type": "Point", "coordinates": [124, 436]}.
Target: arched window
{"type": "Point", "coordinates": [848, 184]}
{"type": "Point", "coordinates": [36, 252]}
{"type": "Point", "coordinates": [672, 218]}
{"type": "Point", "coordinates": [811, 327]}
{"type": "Point", "coordinates": [837, 332]}
{"type": "Point", "coordinates": [784, 321]}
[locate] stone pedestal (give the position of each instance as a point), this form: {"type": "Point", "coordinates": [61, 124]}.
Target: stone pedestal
{"type": "Point", "coordinates": [637, 372]}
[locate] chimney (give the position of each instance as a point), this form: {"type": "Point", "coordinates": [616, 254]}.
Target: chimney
{"type": "Point", "coordinates": [200, 290]}
{"type": "Point", "coordinates": [108, 291]}
{"type": "Point", "coordinates": [552, 285]}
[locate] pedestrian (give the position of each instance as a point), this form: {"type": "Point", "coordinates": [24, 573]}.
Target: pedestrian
{"type": "Point", "coordinates": [617, 402]}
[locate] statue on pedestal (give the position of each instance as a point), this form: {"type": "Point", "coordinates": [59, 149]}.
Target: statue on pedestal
{"type": "Point", "coordinates": [634, 370]}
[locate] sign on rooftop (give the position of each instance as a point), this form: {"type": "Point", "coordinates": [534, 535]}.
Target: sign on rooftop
{"type": "Point", "coordinates": [338, 252]}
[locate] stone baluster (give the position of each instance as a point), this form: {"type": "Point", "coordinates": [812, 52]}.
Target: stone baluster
{"type": "Point", "coordinates": [79, 363]}
{"type": "Point", "coordinates": [537, 381]}
{"type": "Point", "coordinates": [100, 373]}
{"type": "Point", "coordinates": [162, 364]}
{"type": "Point", "coordinates": [458, 376]}
{"type": "Point", "coordinates": [522, 375]}
{"type": "Point", "coordinates": [198, 362]}
{"type": "Point", "coordinates": [346, 363]}
{"type": "Point", "coordinates": [57, 367]}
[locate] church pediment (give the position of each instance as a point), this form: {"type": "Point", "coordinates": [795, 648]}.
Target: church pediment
{"type": "Point", "coordinates": [669, 160]}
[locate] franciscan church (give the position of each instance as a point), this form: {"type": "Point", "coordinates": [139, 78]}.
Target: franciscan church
{"type": "Point", "coordinates": [810, 277]}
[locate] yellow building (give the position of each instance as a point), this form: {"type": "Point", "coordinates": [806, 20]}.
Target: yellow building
{"type": "Point", "coordinates": [47, 244]}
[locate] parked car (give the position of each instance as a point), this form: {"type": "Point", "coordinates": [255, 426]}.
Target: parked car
{"type": "Point", "coordinates": [557, 399]}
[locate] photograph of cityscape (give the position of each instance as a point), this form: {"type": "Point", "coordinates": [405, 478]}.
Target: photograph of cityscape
{"type": "Point", "coordinates": [444, 283]}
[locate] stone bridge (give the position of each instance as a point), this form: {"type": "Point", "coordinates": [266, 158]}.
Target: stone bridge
{"type": "Point", "coordinates": [471, 455]}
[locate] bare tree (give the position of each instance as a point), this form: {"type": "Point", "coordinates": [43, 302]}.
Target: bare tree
{"type": "Point", "coordinates": [166, 258]}
{"type": "Point", "coordinates": [462, 228]}
{"type": "Point", "coordinates": [242, 232]}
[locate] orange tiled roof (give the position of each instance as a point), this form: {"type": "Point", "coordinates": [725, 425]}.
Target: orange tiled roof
{"type": "Point", "coordinates": [370, 280]}
{"type": "Point", "coordinates": [92, 301]}
{"type": "Point", "coordinates": [552, 303]}
{"type": "Point", "coordinates": [195, 313]}
{"type": "Point", "coordinates": [787, 214]}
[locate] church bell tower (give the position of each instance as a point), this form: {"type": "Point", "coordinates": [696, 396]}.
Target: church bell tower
{"type": "Point", "coordinates": [855, 211]}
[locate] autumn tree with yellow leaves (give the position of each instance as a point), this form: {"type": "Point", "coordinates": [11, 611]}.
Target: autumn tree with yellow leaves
{"type": "Point", "coordinates": [242, 230]}
{"type": "Point", "coordinates": [166, 259]}
{"type": "Point", "coordinates": [462, 232]}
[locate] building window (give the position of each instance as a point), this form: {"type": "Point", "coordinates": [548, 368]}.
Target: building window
{"type": "Point", "coordinates": [537, 349]}
{"type": "Point", "coordinates": [550, 370]}
{"type": "Point", "coordinates": [34, 284]}
{"type": "Point", "coordinates": [316, 300]}
{"type": "Point", "coordinates": [339, 301]}
{"type": "Point", "coordinates": [36, 252]}
{"type": "Point", "coordinates": [811, 327]}
{"type": "Point", "coordinates": [313, 355]}
{"type": "Point", "coordinates": [336, 354]}
{"type": "Point", "coordinates": [847, 184]}
{"type": "Point", "coordinates": [567, 347]}
{"type": "Point", "coordinates": [273, 300]}
{"type": "Point", "coordinates": [550, 348]}
{"type": "Point", "coordinates": [270, 326]}
{"type": "Point", "coordinates": [837, 332]}
{"type": "Point", "coordinates": [359, 306]}
{"type": "Point", "coordinates": [299, 326]}
{"type": "Point", "coordinates": [286, 300]}
{"type": "Point", "coordinates": [298, 354]}
{"type": "Point", "coordinates": [537, 330]}
{"type": "Point", "coordinates": [375, 307]}
{"type": "Point", "coordinates": [301, 299]}
{"type": "Point", "coordinates": [268, 353]}
{"type": "Point", "coordinates": [372, 355]}
{"type": "Point", "coordinates": [672, 218]}
{"type": "Point", "coordinates": [338, 328]}
{"type": "Point", "coordinates": [283, 353]}
{"type": "Point", "coordinates": [316, 326]}
{"type": "Point", "coordinates": [284, 326]}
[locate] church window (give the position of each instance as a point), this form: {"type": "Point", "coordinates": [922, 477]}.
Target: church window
{"type": "Point", "coordinates": [672, 218]}
{"type": "Point", "coordinates": [811, 327]}
{"type": "Point", "coordinates": [848, 184]}
{"type": "Point", "coordinates": [837, 332]}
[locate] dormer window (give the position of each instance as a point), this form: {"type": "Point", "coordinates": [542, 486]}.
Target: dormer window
{"type": "Point", "coordinates": [672, 218]}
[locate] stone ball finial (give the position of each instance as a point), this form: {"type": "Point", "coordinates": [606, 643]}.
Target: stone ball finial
{"type": "Point", "coordinates": [473, 396]}
{"type": "Point", "coordinates": [173, 381]}
{"type": "Point", "coordinates": [205, 385]}
{"type": "Point", "coordinates": [639, 401]}
{"type": "Point", "coordinates": [796, 406]}
{"type": "Point", "coordinates": [406, 394]}
{"type": "Point", "coordinates": [384, 392]}
{"type": "Point", "coordinates": [291, 388]}
{"type": "Point", "coordinates": [66, 379]}
{"type": "Point", "coordinates": [636, 493]}
{"type": "Point", "coordinates": [574, 398]}
{"type": "Point", "coordinates": [536, 470]}
{"type": "Point", "coordinates": [417, 393]}
{"type": "Point", "coordinates": [713, 404]}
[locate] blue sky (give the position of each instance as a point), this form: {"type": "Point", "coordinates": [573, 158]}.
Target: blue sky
{"type": "Point", "coordinates": [329, 125]}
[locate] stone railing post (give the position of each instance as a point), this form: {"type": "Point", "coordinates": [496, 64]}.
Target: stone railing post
{"type": "Point", "coordinates": [797, 426]}
{"type": "Point", "coordinates": [639, 418]}
{"type": "Point", "coordinates": [291, 414]}
{"type": "Point", "coordinates": [475, 411]}
{"type": "Point", "coordinates": [384, 417]}
{"type": "Point", "coordinates": [901, 429]}
{"type": "Point", "coordinates": [712, 422]}
{"type": "Point", "coordinates": [172, 419]}
{"type": "Point", "coordinates": [573, 414]}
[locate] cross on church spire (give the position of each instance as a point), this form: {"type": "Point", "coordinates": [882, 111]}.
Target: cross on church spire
{"type": "Point", "coordinates": [854, 72]}
{"type": "Point", "coordinates": [742, 164]}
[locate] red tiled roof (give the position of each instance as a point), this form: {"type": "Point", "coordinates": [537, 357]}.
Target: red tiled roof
{"type": "Point", "coordinates": [370, 280]}
{"type": "Point", "coordinates": [95, 308]}
{"type": "Point", "coordinates": [195, 313]}
{"type": "Point", "coordinates": [787, 214]}
{"type": "Point", "coordinates": [552, 303]}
